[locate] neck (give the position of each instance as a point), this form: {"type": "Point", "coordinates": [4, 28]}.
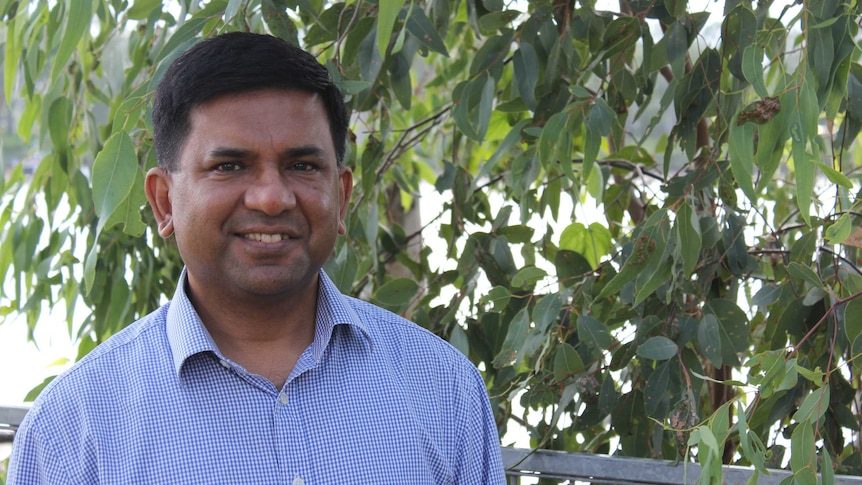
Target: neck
{"type": "Point", "coordinates": [265, 335]}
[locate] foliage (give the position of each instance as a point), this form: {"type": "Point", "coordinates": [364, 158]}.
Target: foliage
{"type": "Point", "coordinates": [706, 307]}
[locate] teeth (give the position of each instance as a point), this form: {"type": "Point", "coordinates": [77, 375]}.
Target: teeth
{"type": "Point", "coordinates": [267, 238]}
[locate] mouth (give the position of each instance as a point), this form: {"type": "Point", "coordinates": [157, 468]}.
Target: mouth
{"type": "Point", "coordinates": [265, 238]}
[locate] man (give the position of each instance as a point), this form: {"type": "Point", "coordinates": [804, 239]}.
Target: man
{"type": "Point", "coordinates": [258, 370]}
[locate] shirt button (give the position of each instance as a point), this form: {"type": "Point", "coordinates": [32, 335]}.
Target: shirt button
{"type": "Point", "coordinates": [282, 399]}
{"type": "Point", "coordinates": [224, 363]}
{"type": "Point", "coordinates": [297, 481]}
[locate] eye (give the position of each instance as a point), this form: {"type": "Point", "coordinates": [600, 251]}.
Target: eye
{"type": "Point", "coordinates": [227, 167]}
{"type": "Point", "coordinates": [303, 166]}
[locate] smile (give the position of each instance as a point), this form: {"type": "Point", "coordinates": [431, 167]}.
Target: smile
{"type": "Point", "coordinates": [267, 238]}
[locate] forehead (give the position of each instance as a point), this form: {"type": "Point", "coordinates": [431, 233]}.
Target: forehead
{"type": "Point", "coordinates": [287, 101]}
{"type": "Point", "coordinates": [277, 115]}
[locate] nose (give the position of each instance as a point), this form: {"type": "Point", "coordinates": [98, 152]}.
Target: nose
{"type": "Point", "coordinates": [270, 193]}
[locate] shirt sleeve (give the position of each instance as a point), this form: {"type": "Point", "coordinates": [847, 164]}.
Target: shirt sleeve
{"type": "Point", "coordinates": [33, 460]}
{"type": "Point", "coordinates": [480, 458]}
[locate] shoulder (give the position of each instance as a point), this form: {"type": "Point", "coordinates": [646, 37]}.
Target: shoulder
{"type": "Point", "coordinates": [110, 364]}
{"type": "Point", "coordinates": [397, 333]}
{"type": "Point", "coordinates": [415, 352]}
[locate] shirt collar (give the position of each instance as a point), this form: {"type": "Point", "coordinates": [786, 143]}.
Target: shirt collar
{"type": "Point", "coordinates": [188, 336]}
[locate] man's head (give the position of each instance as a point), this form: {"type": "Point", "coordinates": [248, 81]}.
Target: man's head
{"type": "Point", "coordinates": [236, 63]}
{"type": "Point", "coordinates": [250, 133]}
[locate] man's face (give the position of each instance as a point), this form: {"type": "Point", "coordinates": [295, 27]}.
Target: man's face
{"type": "Point", "coordinates": [257, 200]}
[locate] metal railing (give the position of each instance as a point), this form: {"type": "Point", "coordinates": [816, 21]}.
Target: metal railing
{"type": "Point", "coordinates": [564, 467]}
{"type": "Point", "coordinates": [595, 469]}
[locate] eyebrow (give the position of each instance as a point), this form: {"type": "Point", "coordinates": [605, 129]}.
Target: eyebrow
{"type": "Point", "coordinates": [295, 152]}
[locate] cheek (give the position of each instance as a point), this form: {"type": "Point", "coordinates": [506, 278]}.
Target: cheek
{"type": "Point", "coordinates": [192, 212]}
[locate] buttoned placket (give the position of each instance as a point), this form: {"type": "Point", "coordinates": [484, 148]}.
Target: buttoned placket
{"type": "Point", "coordinates": [287, 435]}
{"type": "Point", "coordinates": [290, 440]}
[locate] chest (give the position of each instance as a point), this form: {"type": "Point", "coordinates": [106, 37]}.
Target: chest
{"type": "Point", "coordinates": [223, 426]}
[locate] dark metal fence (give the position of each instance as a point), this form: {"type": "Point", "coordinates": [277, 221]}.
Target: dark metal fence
{"type": "Point", "coordinates": [563, 467]}
{"type": "Point", "coordinates": [596, 469]}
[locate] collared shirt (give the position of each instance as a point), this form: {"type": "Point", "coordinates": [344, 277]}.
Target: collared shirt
{"type": "Point", "coordinates": [374, 399]}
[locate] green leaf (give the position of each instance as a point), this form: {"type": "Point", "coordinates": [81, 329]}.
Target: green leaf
{"type": "Point", "coordinates": [853, 319]}
{"type": "Point", "coordinates": [745, 440]}
{"type": "Point", "coordinates": [400, 81]}
{"type": "Point", "coordinates": [709, 339]}
{"type": "Point", "coordinates": [59, 121]}
{"type": "Point", "coordinates": [77, 21]}
{"type": "Point", "coordinates": [835, 176]}
{"type": "Point", "coordinates": [492, 55]}
{"type": "Point", "coordinates": [598, 124]}
{"type": "Point", "coordinates": [555, 141]}
{"type": "Point", "coordinates": [34, 393]}
{"type": "Point", "coordinates": [741, 144]}
{"type": "Point", "coordinates": [184, 34]}
{"type": "Point", "coordinates": [804, 273]}
{"type": "Point", "coordinates": [655, 391]}
{"type": "Point", "coordinates": [802, 454]}
{"type": "Point", "coordinates": [526, 65]}
{"type": "Point", "coordinates": [513, 138]}
{"type": "Point", "coordinates": [114, 172]}
{"type": "Point", "coordinates": [528, 276]}
{"type": "Point", "coordinates": [719, 423]}
{"type": "Point", "coordinates": [567, 362]}
{"type": "Point", "coordinates": [856, 354]}
{"type": "Point", "coordinates": [840, 230]}
{"type": "Point", "coordinates": [142, 9]}
{"type": "Point", "coordinates": [622, 33]}
{"type": "Point", "coordinates": [231, 9]}
{"type": "Point", "coordinates": [387, 14]}
{"type": "Point", "coordinates": [571, 267]}
{"type": "Point", "coordinates": [515, 337]}
{"type": "Point", "coordinates": [593, 242]}
{"type": "Point", "coordinates": [498, 298]}
{"type": "Point", "coordinates": [688, 237]}
{"type": "Point", "coordinates": [738, 31]}
{"type": "Point", "coordinates": [707, 439]}
{"type": "Point", "coordinates": [733, 328]}
{"type": "Point", "coordinates": [420, 27]}
{"type": "Point", "coordinates": [12, 56]}
{"type": "Point", "coordinates": [370, 60]}
{"type": "Point", "coordinates": [547, 311]}
{"type": "Point", "coordinates": [826, 470]}
{"type": "Point", "coordinates": [766, 295]}
{"type": "Point", "coordinates": [647, 252]}
{"type": "Point", "coordinates": [342, 268]}
{"type": "Point", "coordinates": [474, 103]}
{"type": "Point", "coordinates": [130, 112]}
{"type": "Point", "coordinates": [486, 107]}
{"type": "Point", "coordinates": [803, 125]}
{"type": "Point", "coordinates": [594, 333]}
{"type": "Point", "coordinates": [814, 376]}
{"type": "Point", "coordinates": [657, 348]}
{"type": "Point", "coordinates": [676, 46]}
{"type": "Point", "coordinates": [279, 22]}
{"type": "Point", "coordinates": [566, 398]}
{"type": "Point", "coordinates": [397, 292]}
{"type": "Point", "coordinates": [128, 213]}
{"type": "Point", "coordinates": [495, 21]}
{"type": "Point", "coordinates": [752, 68]}
{"type": "Point", "coordinates": [813, 407]}
{"type": "Point", "coordinates": [821, 54]}
{"type": "Point", "coordinates": [458, 339]}
{"type": "Point", "coordinates": [651, 279]}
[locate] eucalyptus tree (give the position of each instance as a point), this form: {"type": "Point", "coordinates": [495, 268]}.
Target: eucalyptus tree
{"type": "Point", "coordinates": [705, 308]}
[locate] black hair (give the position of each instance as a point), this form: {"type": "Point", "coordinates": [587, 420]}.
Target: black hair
{"type": "Point", "coordinates": [238, 62]}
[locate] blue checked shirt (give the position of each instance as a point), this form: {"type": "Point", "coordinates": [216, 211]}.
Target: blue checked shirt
{"type": "Point", "coordinates": [375, 399]}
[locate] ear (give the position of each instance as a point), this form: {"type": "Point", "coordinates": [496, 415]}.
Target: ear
{"type": "Point", "coordinates": [158, 188]}
{"type": "Point", "coordinates": [345, 188]}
